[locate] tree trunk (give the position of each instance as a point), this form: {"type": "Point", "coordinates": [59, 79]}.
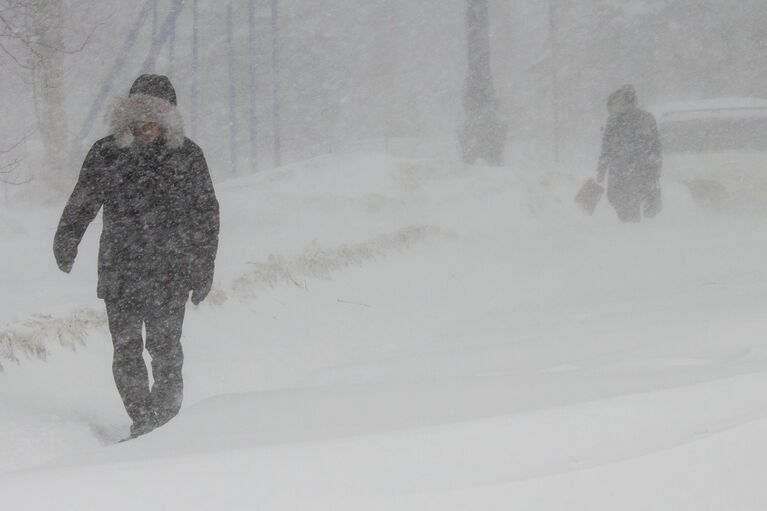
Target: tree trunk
{"type": "Point", "coordinates": [49, 91]}
{"type": "Point", "coordinates": [276, 89]}
{"type": "Point", "coordinates": [555, 92]}
{"type": "Point", "coordinates": [252, 96]}
{"type": "Point", "coordinates": [484, 134]}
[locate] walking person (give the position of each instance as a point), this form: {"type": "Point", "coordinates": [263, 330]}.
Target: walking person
{"type": "Point", "coordinates": [631, 155]}
{"type": "Point", "coordinates": [158, 244]}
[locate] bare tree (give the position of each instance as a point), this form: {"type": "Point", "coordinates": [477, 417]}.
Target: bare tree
{"type": "Point", "coordinates": [32, 38]}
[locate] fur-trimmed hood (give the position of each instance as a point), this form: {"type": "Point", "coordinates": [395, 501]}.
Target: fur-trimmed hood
{"type": "Point", "coordinates": [143, 107]}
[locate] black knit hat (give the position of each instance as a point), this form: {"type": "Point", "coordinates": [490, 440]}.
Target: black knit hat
{"type": "Point", "coordinates": [154, 85]}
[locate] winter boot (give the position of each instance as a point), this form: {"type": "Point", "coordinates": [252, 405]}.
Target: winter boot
{"type": "Point", "coordinates": [144, 426]}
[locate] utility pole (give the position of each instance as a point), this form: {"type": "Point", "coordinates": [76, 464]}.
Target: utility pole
{"type": "Point", "coordinates": [555, 93]}
{"type": "Point", "coordinates": [483, 135]}
{"type": "Point", "coordinates": [276, 121]}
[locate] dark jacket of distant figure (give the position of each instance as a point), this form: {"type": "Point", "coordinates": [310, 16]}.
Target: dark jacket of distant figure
{"type": "Point", "coordinates": [631, 152]}
{"type": "Point", "coordinates": [161, 216]}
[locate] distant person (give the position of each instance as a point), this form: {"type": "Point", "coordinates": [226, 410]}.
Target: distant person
{"type": "Point", "coordinates": [158, 243]}
{"type": "Point", "coordinates": [631, 155]}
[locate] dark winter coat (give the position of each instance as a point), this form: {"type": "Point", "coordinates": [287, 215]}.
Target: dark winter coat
{"type": "Point", "coordinates": [631, 152]}
{"type": "Point", "coordinates": [161, 216]}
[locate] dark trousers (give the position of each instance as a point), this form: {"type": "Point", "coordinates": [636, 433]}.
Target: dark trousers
{"type": "Point", "coordinates": [629, 211]}
{"type": "Point", "coordinates": [163, 322]}
{"type": "Point", "coordinates": [631, 193]}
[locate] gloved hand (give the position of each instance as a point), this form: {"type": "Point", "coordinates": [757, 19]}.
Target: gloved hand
{"type": "Point", "coordinates": [65, 255]}
{"type": "Point", "coordinates": [199, 293]}
{"type": "Point", "coordinates": [65, 263]}
{"type": "Point", "coordinates": [65, 266]}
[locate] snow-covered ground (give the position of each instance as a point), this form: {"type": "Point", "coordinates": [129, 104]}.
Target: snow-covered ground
{"type": "Point", "coordinates": [408, 334]}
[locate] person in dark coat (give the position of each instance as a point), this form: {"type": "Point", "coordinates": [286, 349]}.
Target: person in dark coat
{"type": "Point", "coordinates": [158, 244]}
{"type": "Point", "coordinates": [631, 154]}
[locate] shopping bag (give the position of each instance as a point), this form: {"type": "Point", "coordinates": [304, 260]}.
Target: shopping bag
{"type": "Point", "coordinates": [589, 195]}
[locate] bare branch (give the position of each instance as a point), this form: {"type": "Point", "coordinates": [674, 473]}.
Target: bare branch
{"type": "Point", "coordinates": [17, 144]}
{"type": "Point", "coordinates": [32, 40]}
{"type": "Point", "coordinates": [17, 183]}
{"type": "Point", "coordinates": [14, 58]}
{"type": "Point", "coordinates": [8, 168]}
{"type": "Point", "coordinates": [26, 42]}
{"type": "Point", "coordinates": [82, 46]}
{"type": "Point", "coordinates": [63, 49]}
